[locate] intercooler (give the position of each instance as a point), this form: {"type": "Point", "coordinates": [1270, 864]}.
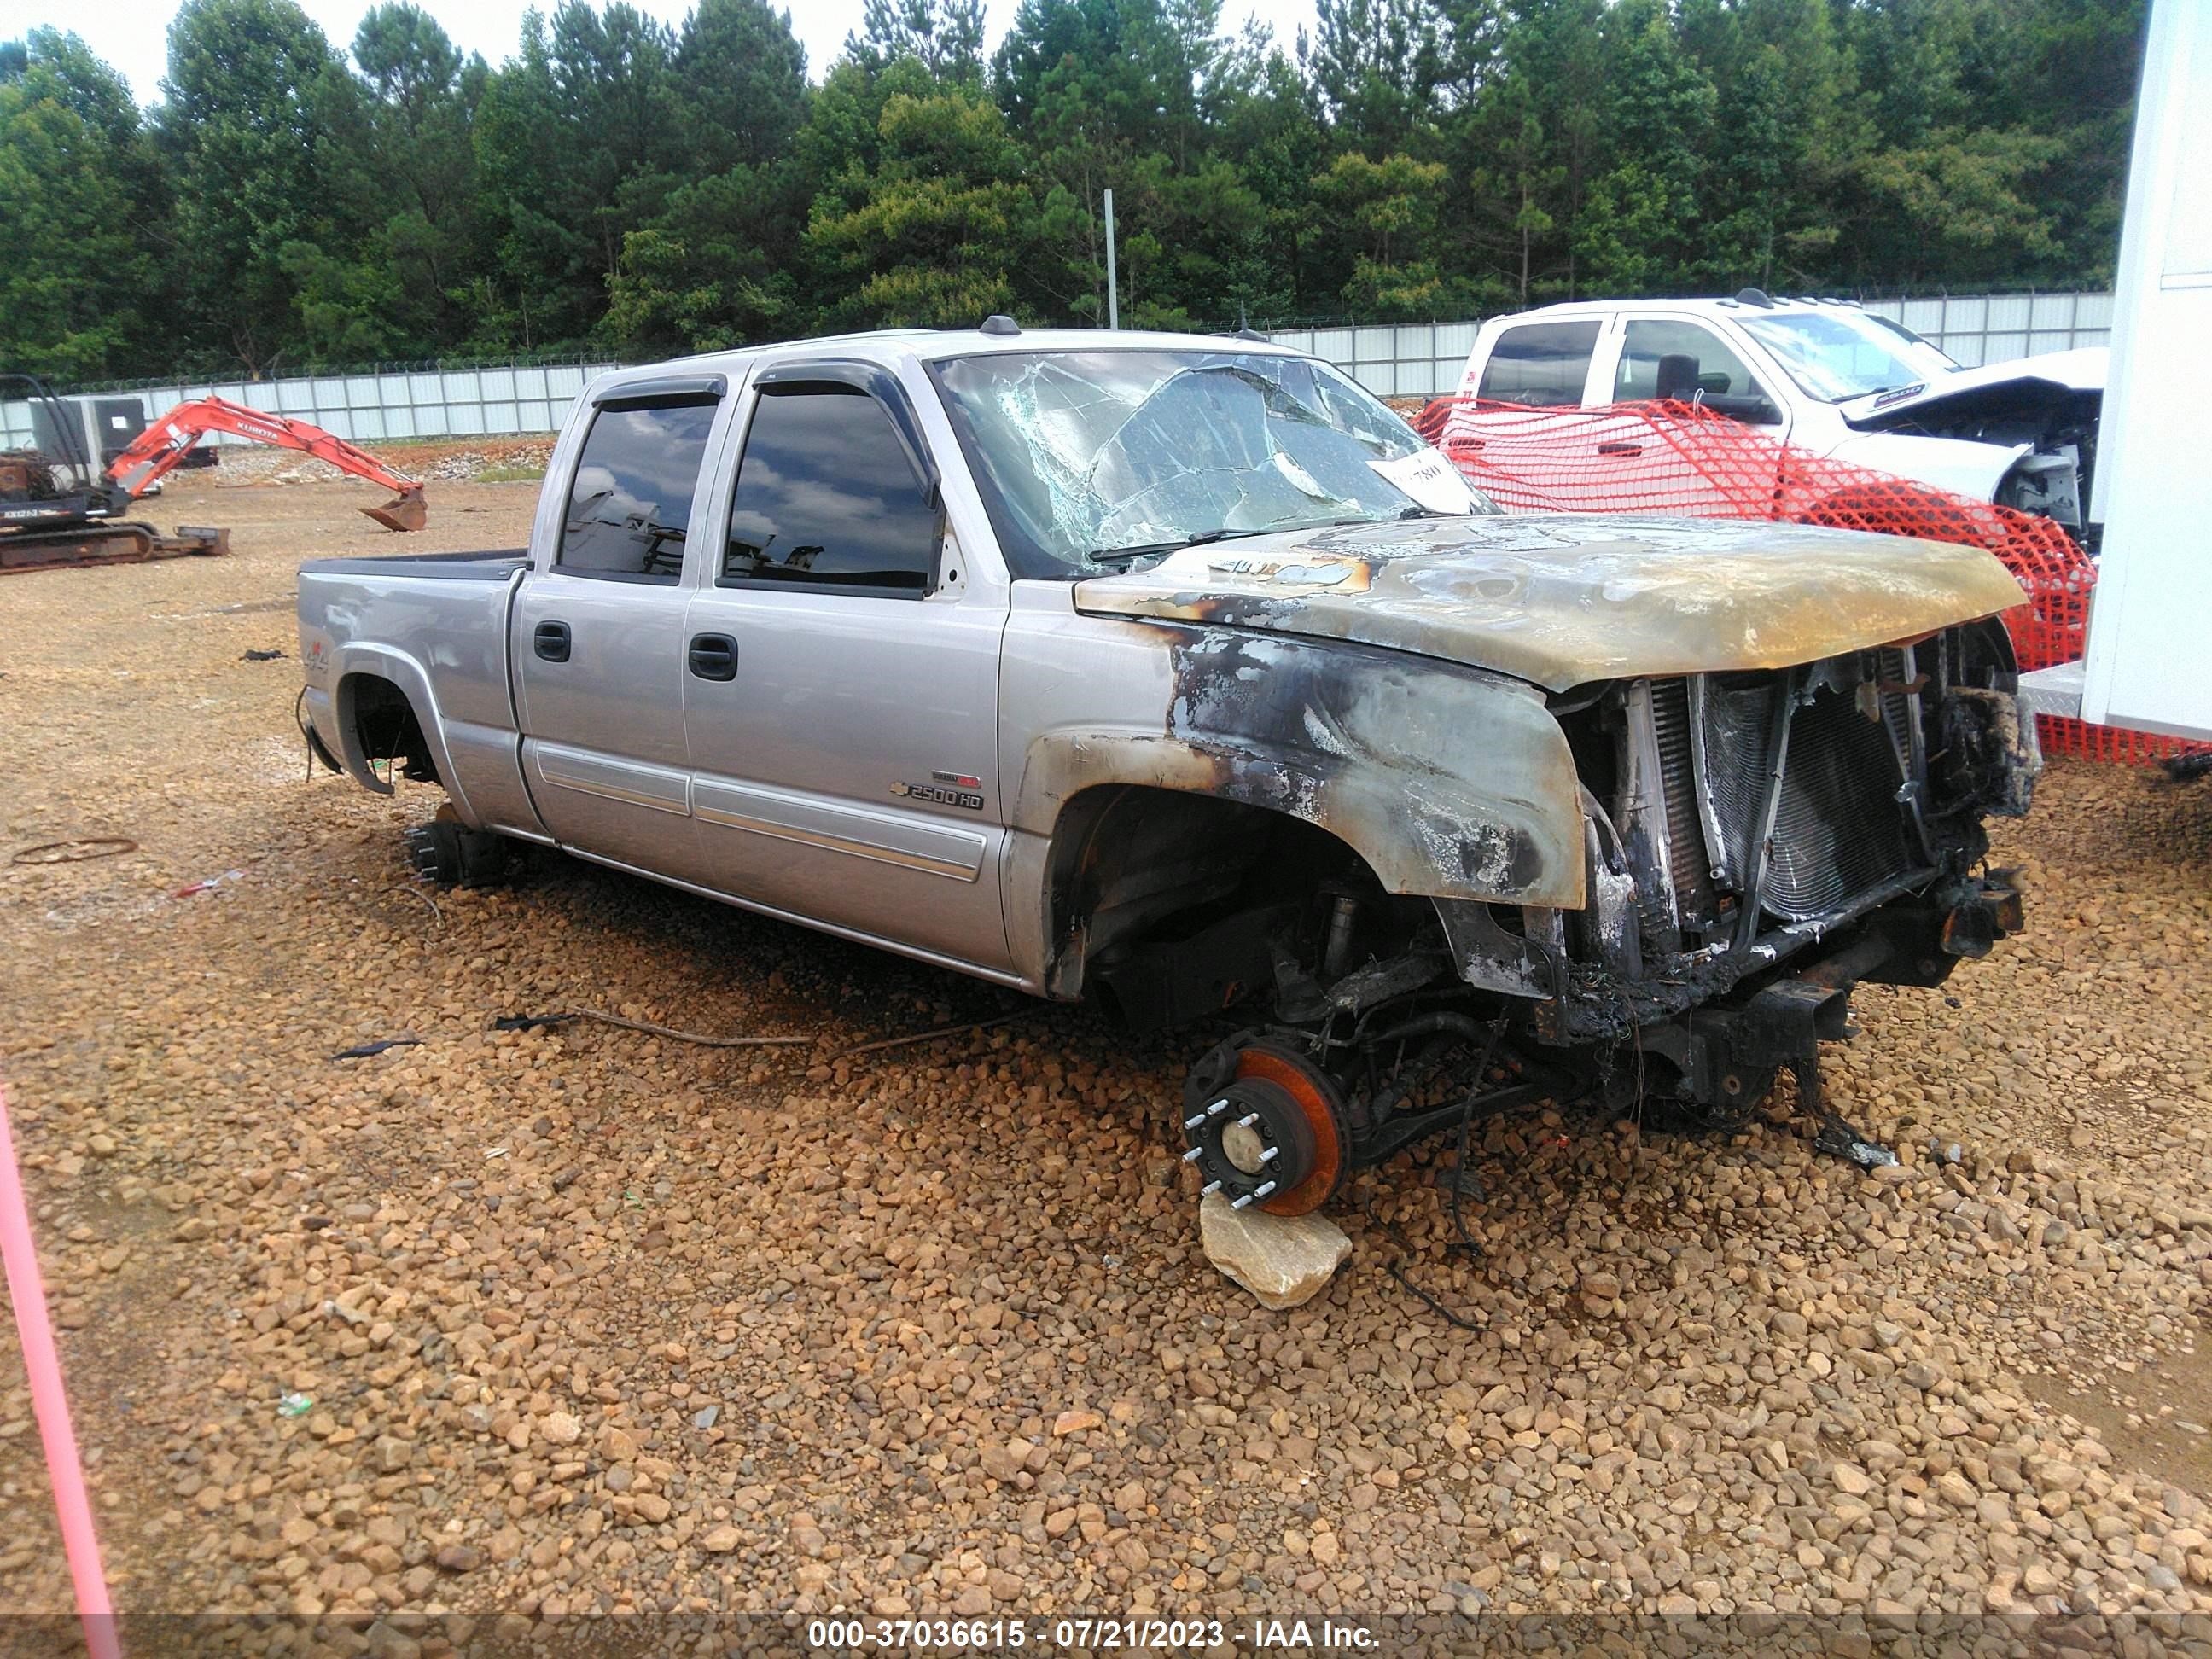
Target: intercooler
{"type": "Point", "coordinates": [1841, 823]}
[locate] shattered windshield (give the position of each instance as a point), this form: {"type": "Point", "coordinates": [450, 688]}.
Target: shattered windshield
{"type": "Point", "coordinates": [1837, 355]}
{"type": "Point", "coordinates": [1091, 459]}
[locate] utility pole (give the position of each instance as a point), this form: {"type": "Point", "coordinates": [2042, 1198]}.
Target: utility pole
{"type": "Point", "coordinates": [1113, 281]}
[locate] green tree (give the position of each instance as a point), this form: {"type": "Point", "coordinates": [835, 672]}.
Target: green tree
{"type": "Point", "coordinates": [412, 162]}
{"type": "Point", "coordinates": [1386, 214]}
{"type": "Point", "coordinates": [1278, 141]}
{"type": "Point", "coordinates": [627, 183]}
{"type": "Point", "coordinates": [80, 289]}
{"type": "Point", "coordinates": [931, 229]}
{"type": "Point", "coordinates": [1637, 231]}
{"type": "Point", "coordinates": [1377, 64]}
{"type": "Point", "coordinates": [253, 89]}
{"type": "Point", "coordinates": [946, 37]}
{"type": "Point", "coordinates": [740, 85]}
{"type": "Point", "coordinates": [712, 271]}
{"type": "Point", "coordinates": [580, 139]}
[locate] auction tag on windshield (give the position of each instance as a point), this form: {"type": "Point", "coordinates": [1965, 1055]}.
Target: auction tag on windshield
{"type": "Point", "coordinates": [1429, 479]}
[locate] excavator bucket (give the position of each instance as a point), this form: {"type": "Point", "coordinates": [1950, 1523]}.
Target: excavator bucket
{"type": "Point", "coordinates": [405, 511]}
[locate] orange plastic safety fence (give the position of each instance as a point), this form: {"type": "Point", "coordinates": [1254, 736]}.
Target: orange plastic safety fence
{"type": "Point", "coordinates": [1684, 459]}
{"type": "Point", "coordinates": [2108, 742]}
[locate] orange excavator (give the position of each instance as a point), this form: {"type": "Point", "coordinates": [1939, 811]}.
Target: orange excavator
{"type": "Point", "coordinates": [60, 505]}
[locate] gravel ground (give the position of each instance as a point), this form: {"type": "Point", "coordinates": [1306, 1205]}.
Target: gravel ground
{"type": "Point", "coordinates": [441, 460]}
{"type": "Point", "coordinates": [590, 1320]}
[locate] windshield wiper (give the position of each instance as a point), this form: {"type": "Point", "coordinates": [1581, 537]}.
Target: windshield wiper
{"type": "Point", "coordinates": [1121, 558]}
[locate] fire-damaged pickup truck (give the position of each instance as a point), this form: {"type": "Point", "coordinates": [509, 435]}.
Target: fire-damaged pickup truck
{"type": "Point", "coordinates": [1177, 675]}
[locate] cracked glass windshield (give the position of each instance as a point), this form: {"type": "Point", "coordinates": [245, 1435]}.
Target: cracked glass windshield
{"type": "Point", "coordinates": [1092, 460]}
{"type": "Point", "coordinates": [1837, 356]}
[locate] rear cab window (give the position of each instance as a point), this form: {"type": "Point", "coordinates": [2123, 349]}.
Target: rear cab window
{"type": "Point", "coordinates": [1542, 365]}
{"type": "Point", "coordinates": [637, 480]}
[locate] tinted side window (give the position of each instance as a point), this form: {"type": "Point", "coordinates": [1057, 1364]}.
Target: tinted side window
{"type": "Point", "coordinates": [1542, 364]}
{"type": "Point", "coordinates": [631, 499]}
{"type": "Point", "coordinates": [826, 497]}
{"type": "Point", "coordinates": [1720, 372]}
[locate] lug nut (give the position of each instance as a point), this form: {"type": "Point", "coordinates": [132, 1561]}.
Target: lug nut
{"type": "Point", "coordinates": [1190, 1123]}
{"type": "Point", "coordinates": [1209, 1189]}
{"type": "Point", "coordinates": [1194, 1155]}
{"type": "Point", "coordinates": [1217, 1106]}
{"type": "Point", "coordinates": [1268, 1157]}
{"type": "Point", "coordinates": [1263, 1189]}
{"type": "Point", "coordinates": [1238, 1204]}
{"type": "Point", "coordinates": [1248, 1120]}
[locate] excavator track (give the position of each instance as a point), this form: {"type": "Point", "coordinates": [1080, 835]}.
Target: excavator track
{"type": "Point", "coordinates": [119, 542]}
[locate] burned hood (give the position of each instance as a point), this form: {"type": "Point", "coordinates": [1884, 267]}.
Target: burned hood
{"type": "Point", "coordinates": [2025, 388]}
{"type": "Point", "coordinates": [1560, 600]}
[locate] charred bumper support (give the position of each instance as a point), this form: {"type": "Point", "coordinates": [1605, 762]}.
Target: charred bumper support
{"type": "Point", "coordinates": [1755, 849]}
{"type": "Point", "coordinates": [1725, 1052]}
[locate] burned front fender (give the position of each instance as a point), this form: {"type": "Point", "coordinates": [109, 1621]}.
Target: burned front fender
{"type": "Point", "coordinates": [1451, 783]}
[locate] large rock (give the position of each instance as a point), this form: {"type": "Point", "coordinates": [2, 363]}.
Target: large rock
{"type": "Point", "coordinates": [1283, 1260]}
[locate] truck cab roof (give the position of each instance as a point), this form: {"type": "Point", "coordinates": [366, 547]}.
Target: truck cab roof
{"type": "Point", "coordinates": [1740, 304]}
{"type": "Point", "coordinates": [890, 346]}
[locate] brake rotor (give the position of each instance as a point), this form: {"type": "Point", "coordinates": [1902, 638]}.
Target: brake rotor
{"type": "Point", "coordinates": [1270, 1133]}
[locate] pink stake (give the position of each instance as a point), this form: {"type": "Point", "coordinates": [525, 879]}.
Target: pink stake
{"type": "Point", "coordinates": [50, 1403]}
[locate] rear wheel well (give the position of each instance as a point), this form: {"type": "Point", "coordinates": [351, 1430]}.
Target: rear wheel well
{"type": "Point", "coordinates": [384, 726]}
{"type": "Point", "coordinates": [1167, 906]}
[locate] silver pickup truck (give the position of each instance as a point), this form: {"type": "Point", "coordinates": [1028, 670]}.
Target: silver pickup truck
{"type": "Point", "coordinates": [1175, 673]}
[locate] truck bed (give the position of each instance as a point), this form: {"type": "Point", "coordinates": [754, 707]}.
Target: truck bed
{"type": "Point", "coordinates": [374, 618]}
{"type": "Point", "coordinates": [480, 567]}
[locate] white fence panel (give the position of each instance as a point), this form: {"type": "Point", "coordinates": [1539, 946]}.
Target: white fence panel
{"type": "Point", "coordinates": [1423, 360]}
{"type": "Point", "coordinates": [1408, 359]}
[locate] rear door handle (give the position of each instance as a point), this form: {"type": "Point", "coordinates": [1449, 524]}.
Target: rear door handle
{"type": "Point", "coordinates": [714, 656]}
{"type": "Point", "coordinates": [550, 640]}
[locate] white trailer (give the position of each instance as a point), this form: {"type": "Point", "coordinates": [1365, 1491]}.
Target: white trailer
{"type": "Point", "coordinates": [2149, 666]}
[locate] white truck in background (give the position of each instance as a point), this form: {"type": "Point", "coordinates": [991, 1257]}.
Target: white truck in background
{"type": "Point", "coordinates": [1823, 376]}
{"type": "Point", "coordinates": [2148, 666]}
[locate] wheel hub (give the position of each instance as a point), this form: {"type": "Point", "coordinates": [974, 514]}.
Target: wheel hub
{"type": "Point", "coordinates": [1264, 1128]}
{"type": "Point", "coordinates": [1246, 1148]}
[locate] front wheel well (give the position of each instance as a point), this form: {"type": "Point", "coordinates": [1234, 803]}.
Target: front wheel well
{"type": "Point", "coordinates": [1167, 906]}
{"type": "Point", "coordinates": [381, 724]}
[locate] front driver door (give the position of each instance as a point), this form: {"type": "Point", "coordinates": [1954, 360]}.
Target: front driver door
{"type": "Point", "coordinates": [841, 695]}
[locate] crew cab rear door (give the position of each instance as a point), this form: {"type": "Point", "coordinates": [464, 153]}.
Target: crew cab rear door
{"type": "Point", "coordinates": [597, 637]}
{"type": "Point", "coordinates": [840, 686]}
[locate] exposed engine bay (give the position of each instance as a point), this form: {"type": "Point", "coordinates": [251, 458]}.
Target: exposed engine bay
{"type": "Point", "coordinates": [1755, 844]}
{"type": "Point", "coordinates": [2056, 424]}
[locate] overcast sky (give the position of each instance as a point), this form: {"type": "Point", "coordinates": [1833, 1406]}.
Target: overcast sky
{"type": "Point", "coordinates": [133, 34]}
